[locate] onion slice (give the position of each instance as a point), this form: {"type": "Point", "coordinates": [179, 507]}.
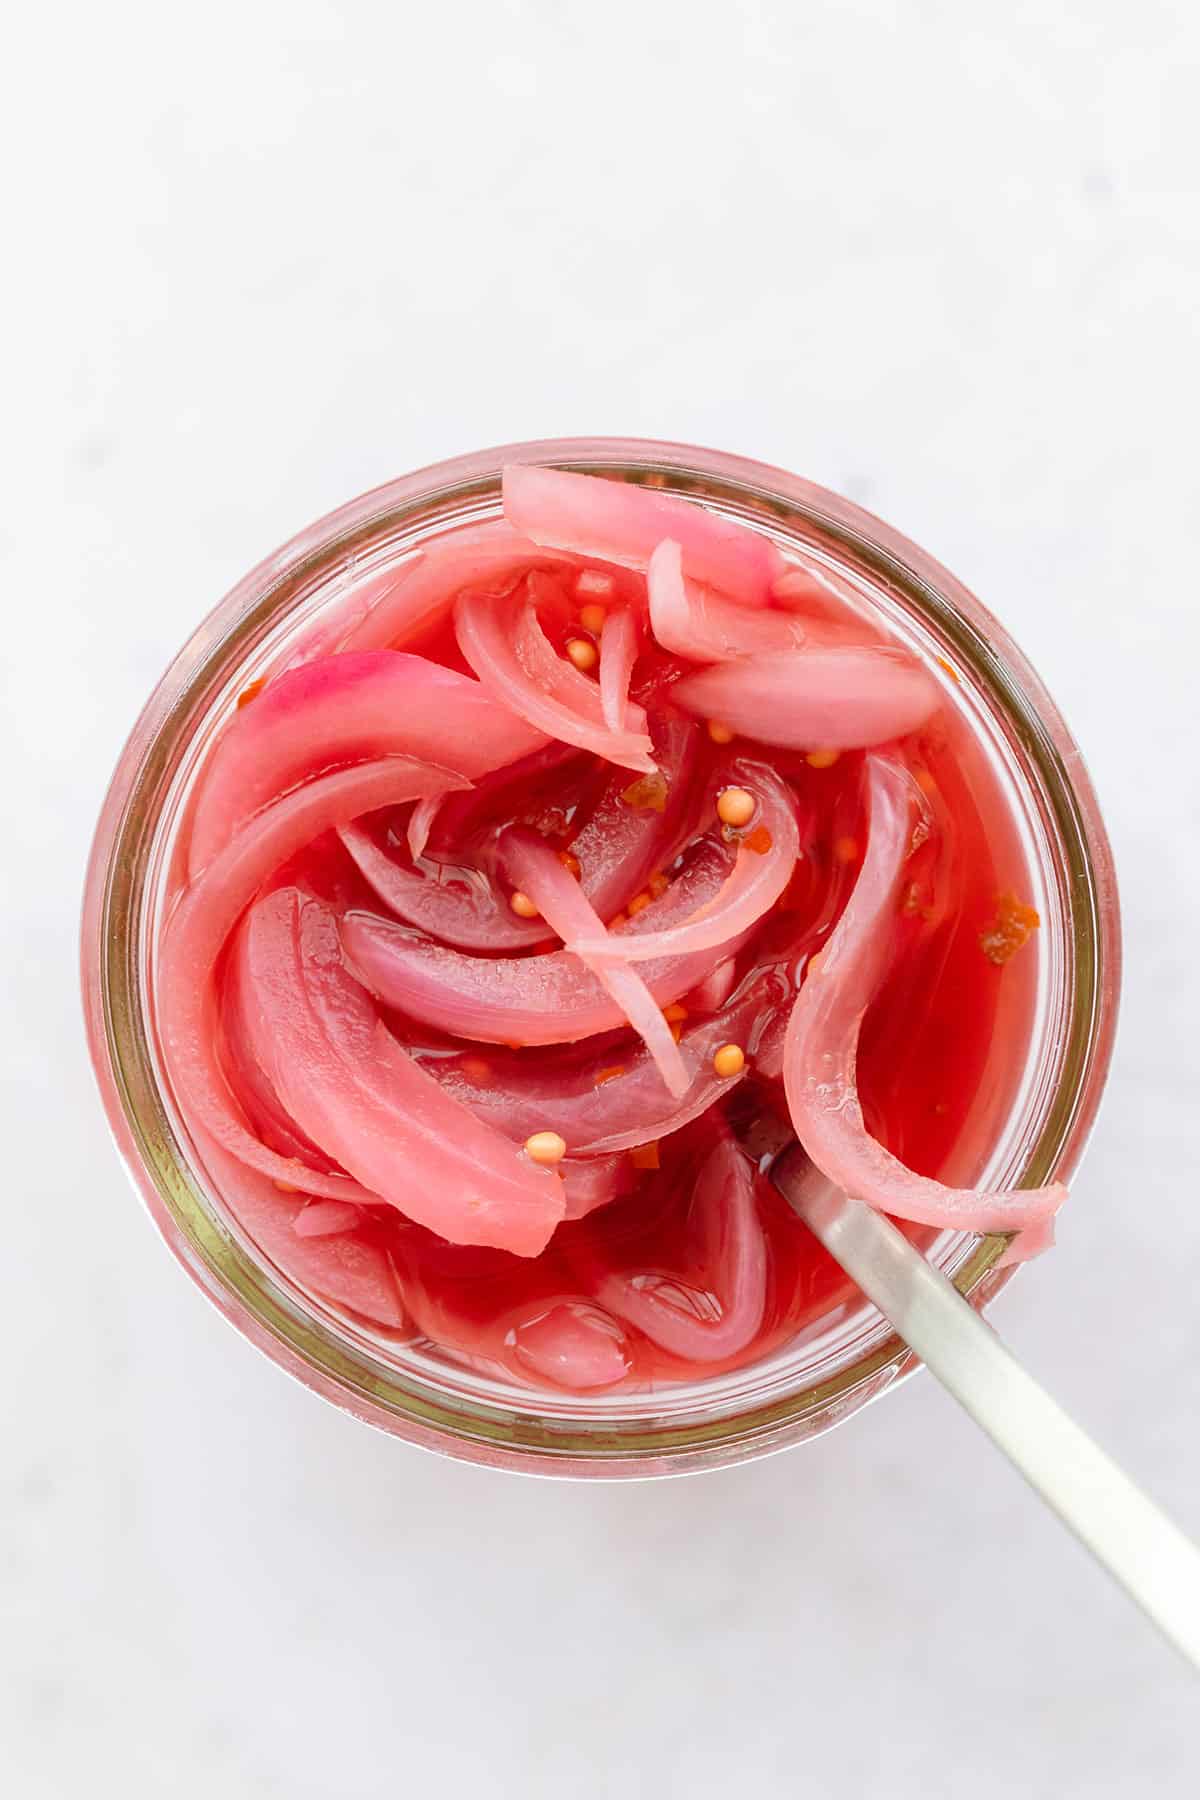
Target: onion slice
{"type": "Point", "coordinates": [403, 607]}
{"type": "Point", "coordinates": [842, 699]}
{"type": "Point", "coordinates": [689, 621]}
{"type": "Point", "coordinates": [460, 908]}
{"type": "Point", "coordinates": [548, 999]}
{"type": "Point", "coordinates": [347, 709]}
{"type": "Point", "coordinates": [352, 1269]}
{"type": "Point", "coordinates": [760, 874]}
{"type": "Point", "coordinates": [733, 1263]}
{"type": "Point", "coordinates": [822, 1044]}
{"type": "Point", "coordinates": [618, 653]}
{"type": "Point", "coordinates": [620, 522]}
{"type": "Point", "coordinates": [535, 869]}
{"type": "Point", "coordinates": [613, 1099]}
{"type": "Point", "coordinates": [504, 643]}
{"type": "Point", "coordinates": [352, 1088]}
{"type": "Point", "coordinates": [206, 914]}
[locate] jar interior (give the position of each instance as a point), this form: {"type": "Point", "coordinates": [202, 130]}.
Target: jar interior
{"type": "Point", "coordinates": [1026, 1104]}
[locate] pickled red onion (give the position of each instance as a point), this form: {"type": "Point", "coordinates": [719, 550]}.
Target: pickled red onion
{"type": "Point", "coordinates": [613, 1099]}
{"type": "Point", "coordinates": [758, 879]}
{"type": "Point", "coordinates": [348, 709]}
{"type": "Point", "coordinates": [421, 824]}
{"type": "Point", "coordinates": [689, 621]}
{"type": "Point", "coordinates": [535, 869]}
{"type": "Point", "coordinates": [464, 910]}
{"type": "Point", "coordinates": [842, 699]}
{"type": "Point", "coordinates": [822, 1044]}
{"type": "Point", "coordinates": [621, 522]}
{"type": "Point", "coordinates": [401, 610]}
{"type": "Point", "coordinates": [591, 1182]}
{"type": "Point", "coordinates": [509, 652]}
{"type": "Point", "coordinates": [326, 1218]}
{"type": "Point", "coordinates": [618, 653]}
{"type": "Point", "coordinates": [547, 999]}
{"type": "Point", "coordinates": [206, 914]}
{"type": "Point", "coordinates": [357, 1093]}
{"type": "Point", "coordinates": [733, 1264]}
{"type": "Point", "coordinates": [350, 1269]}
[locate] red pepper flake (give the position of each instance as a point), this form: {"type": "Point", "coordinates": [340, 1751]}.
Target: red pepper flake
{"type": "Point", "coordinates": [645, 1156]}
{"type": "Point", "coordinates": [658, 883]}
{"type": "Point", "coordinates": [610, 1074]}
{"type": "Point", "coordinates": [478, 1071]}
{"type": "Point", "coordinates": [951, 671]}
{"type": "Point", "coordinates": [1011, 928]}
{"type": "Point", "coordinates": [759, 840]}
{"type": "Point", "coordinates": [638, 904]}
{"type": "Point", "coordinates": [252, 692]}
{"type": "Point", "coordinates": [570, 863]}
{"type": "Point", "coordinates": [845, 849]}
{"type": "Point", "coordinates": [648, 793]}
{"type": "Point", "coordinates": [925, 781]}
{"type": "Point", "coordinates": [514, 1044]}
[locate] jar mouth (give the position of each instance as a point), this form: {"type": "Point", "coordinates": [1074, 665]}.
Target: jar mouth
{"type": "Point", "coordinates": [842, 1362]}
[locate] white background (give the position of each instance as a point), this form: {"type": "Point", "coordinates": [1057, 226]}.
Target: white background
{"type": "Point", "coordinates": [943, 257]}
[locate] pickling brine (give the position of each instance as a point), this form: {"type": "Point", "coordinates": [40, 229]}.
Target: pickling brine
{"type": "Point", "coordinates": [542, 872]}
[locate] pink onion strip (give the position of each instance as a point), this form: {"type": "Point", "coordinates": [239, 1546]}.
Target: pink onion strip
{"type": "Point", "coordinates": [618, 653]}
{"type": "Point", "coordinates": [512, 657]}
{"type": "Point", "coordinates": [733, 1250]}
{"type": "Point", "coordinates": [843, 699]}
{"type": "Point", "coordinates": [621, 522]}
{"type": "Point", "coordinates": [821, 1047]}
{"type": "Point", "coordinates": [206, 914]}
{"type": "Point", "coordinates": [353, 1089]}
{"type": "Point", "coordinates": [348, 709]}
{"type": "Point", "coordinates": [689, 621]}
{"type": "Point", "coordinates": [758, 879]}
{"type": "Point", "coordinates": [546, 999]}
{"type": "Point", "coordinates": [535, 869]}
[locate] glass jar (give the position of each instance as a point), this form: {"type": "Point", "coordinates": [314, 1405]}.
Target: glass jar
{"type": "Point", "coordinates": [833, 1369]}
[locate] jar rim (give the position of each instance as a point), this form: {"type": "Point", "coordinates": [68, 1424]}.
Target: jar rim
{"type": "Point", "coordinates": [114, 920]}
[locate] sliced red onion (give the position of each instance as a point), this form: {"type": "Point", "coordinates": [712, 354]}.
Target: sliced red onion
{"type": "Point", "coordinates": [351, 1269]}
{"type": "Point", "coordinates": [348, 709]}
{"type": "Point", "coordinates": [510, 653]}
{"type": "Point", "coordinates": [206, 914]}
{"type": "Point", "coordinates": [459, 907]}
{"type": "Point", "coordinates": [689, 621]}
{"type": "Point", "coordinates": [547, 1331]}
{"type": "Point", "coordinates": [760, 874]}
{"type": "Point", "coordinates": [613, 1099]}
{"type": "Point", "coordinates": [620, 844]}
{"type": "Point", "coordinates": [421, 824]}
{"type": "Point", "coordinates": [618, 653]}
{"type": "Point", "coordinates": [822, 1045]}
{"type": "Point", "coordinates": [709, 1323]}
{"type": "Point", "coordinates": [534, 868]}
{"type": "Point", "coordinates": [843, 699]}
{"type": "Point", "coordinates": [621, 522]}
{"type": "Point", "coordinates": [326, 1218]}
{"type": "Point", "coordinates": [592, 1182]}
{"type": "Point", "coordinates": [352, 1088]}
{"type": "Point", "coordinates": [550, 999]}
{"type": "Point", "coordinates": [406, 605]}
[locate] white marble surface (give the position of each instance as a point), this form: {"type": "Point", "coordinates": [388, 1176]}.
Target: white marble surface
{"type": "Point", "coordinates": [943, 257]}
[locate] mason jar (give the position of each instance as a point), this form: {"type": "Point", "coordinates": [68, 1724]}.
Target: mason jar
{"type": "Point", "coordinates": [409, 1388]}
